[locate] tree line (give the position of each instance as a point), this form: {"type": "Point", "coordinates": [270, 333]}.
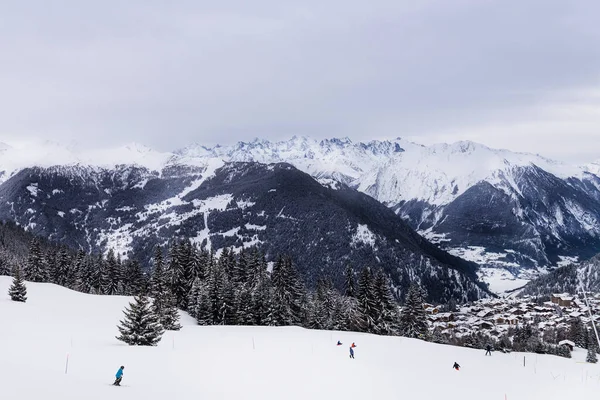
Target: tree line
{"type": "Point", "coordinates": [234, 289]}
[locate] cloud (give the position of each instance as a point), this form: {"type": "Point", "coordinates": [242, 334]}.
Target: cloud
{"type": "Point", "coordinates": [170, 73]}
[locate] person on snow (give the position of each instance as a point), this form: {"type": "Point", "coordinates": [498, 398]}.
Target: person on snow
{"type": "Point", "coordinates": [488, 349]}
{"type": "Point", "coordinates": [456, 366]}
{"type": "Point", "coordinates": [119, 376]}
{"type": "Point", "coordinates": [339, 343]}
{"type": "Point", "coordinates": [351, 352]}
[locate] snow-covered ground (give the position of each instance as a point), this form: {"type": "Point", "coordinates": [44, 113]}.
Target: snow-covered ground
{"type": "Point", "coordinates": [251, 362]}
{"type": "Point", "coordinates": [500, 281]}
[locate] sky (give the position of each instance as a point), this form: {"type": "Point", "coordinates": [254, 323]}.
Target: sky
{"type": "Point", "coordinates": [522, 75]}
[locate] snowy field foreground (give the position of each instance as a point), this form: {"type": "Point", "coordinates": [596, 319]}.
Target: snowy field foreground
{"type": "Point", "coordinates": [251, 362]}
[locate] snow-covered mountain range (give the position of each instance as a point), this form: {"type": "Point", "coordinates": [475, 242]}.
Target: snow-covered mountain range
{"type": "Point", "coordinates": [276, 208]}
{"type": "Point", "coordinates": [496, 207]}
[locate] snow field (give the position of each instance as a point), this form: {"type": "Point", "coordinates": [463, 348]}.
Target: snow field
{"type": "Point", "coordinates": [250, 362]}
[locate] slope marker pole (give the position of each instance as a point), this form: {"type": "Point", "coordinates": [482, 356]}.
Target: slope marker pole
{"type": "Point", "coordinates": [67, 364]}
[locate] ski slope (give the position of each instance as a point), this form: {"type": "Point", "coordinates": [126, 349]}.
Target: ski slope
{"type": "Point", "coordinates": [250, 362]}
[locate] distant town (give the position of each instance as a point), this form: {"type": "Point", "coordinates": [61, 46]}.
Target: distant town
{"type": "Point", "coordinates": [495, 317]}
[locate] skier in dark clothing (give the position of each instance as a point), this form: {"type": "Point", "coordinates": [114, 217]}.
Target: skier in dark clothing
{"type": "Point", "coordinates": [456, 366]}
{"type": "Point", "coordinates": [119, 376]}
{"type": "Point", "coordinates": [351, 352]}
{"type": "Point", "coordinates": [488, 350]}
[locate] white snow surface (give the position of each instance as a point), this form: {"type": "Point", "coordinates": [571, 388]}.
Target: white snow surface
{"type": "Point", "coordinates": [500, 280]}
{"type": "Point", "coordinates": [594, 168]}
{"type": "Point", "coordinates": [363, 235]}
{"type": "Point", "coordinates": [263, 363]}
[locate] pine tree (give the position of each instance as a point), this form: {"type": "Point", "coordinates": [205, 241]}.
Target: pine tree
{"type": "Point", "coordinates": [413, 319]}
{"type": "Point", "coordinates": [262, 301]}
{"type": "Point", "coordinates": [169, 318]}
{"type": "Point", "coordinates": [140, 325]}
{"type": "Point", "coordinates": [339, 314]}
{"type": "Point", "coordinates": [85, 274]}
{"type": "Point", "coordinates": [591, 354]}
{"type": "Point", "coordinates": [35, 270]}
{"type": "Point", "coordinates": [244, 309]}
{"type": "Point", "coordinates": [133, 279]}
{"type": "Point", "coordinates": [367, 303]}
{"type": "Point", "coordinates": [387, 322]}
{"type": "Point", "coordinates": [563, 351]}
{"type": "Point", "coordinates": [287, 294]}
{"type": "Point", "coordinates": [243, 267]}
{"type": "Point", "coordinates": [204, 314]}
{"type": "Point", "coordinates": [349, 282]}
{"type": "Point", "coordinates": [72, 270]}
{"type": "Point", "coordinates": [193, 296]}
{"type": "Point", "coordinates": [63, 267]}
{"type": "Point", "coordinates": [50, 265]}
{"type": "Point", "coordinates": [181, 272]}
{"type": "Point", "coordinates": [158, 279]}
{"type": "Point", "coordinates": [4, 268]}
{"type": "Point", "coordinates": [18, 290]}
{"type": "Point", "coordinates": [577, 332]}
{"type": "Point", "coordinates": [110, 275]}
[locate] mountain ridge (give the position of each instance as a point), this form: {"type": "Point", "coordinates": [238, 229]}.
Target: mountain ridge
{"type": "Point", "coordinates": [546, 211]}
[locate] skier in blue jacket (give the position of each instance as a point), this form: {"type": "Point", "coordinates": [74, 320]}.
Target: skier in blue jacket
{"type": "Point", "coordinates": [119, 376]}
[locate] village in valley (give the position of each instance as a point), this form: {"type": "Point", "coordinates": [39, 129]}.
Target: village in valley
{"type": "Point", "coordinates": [495, 318]}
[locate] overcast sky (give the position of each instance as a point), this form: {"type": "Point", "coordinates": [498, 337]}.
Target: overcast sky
{"type": "Point", "coordinates": [523, 75]}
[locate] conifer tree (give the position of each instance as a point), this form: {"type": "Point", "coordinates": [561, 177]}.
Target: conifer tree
{"type": "Point", "coordinates": [413, 319]}
{"type": "Point", "coordinates": [228, 308]}
{"type": "Point", "coordinates": [387, 322]}
{"type": "Point", "coordinates": [85, 275]}
{"type": "Point", "coordinates": [262, 301]}
{"type": "Point", "coordinates": [18, 291]}
{"type": "Point", "coordinates": [349, 281]}
{"type": "Point", "coordinates": [193, 296]}
{"type": "Point", "coordinates": [97, 266]}
{"type": "Point", "coordinates": [63, 267]}
{"type": "Point", "coordinates": [244, 309]}
{"type": "Point", "coordinates": [577, 332]}
{"type": "Point", "coordinates": [158, 279]}
{"type": "Point", "coordinates": [367, 303]}
{"type": "Point", "coordinates": [204, 313]}
{"type": "Point", "coordinates": [140, 325]}
{"type": "Point", "coordinates": [50, 265]}
{"type": "Point", "coordinates": [563, 351]}
{"type": "Point", "coordinates": [4, 269]}
{"type": "Point", "coordinates": [169, 317]}
{"type": "Point", "coordinates": [35, 270]}
{"type": "Point", "coordinates": [133, 278]}
{"type": "Point", "coordinates": [591, 354]}
{"type": "Point", "coordinates": [339, 314]}
{"type": "Point", "coordinates": [110, 275]}
{"type": "Point", "coordinates": [181, 273]}
{"type": "Point", "coordinates": [284, 310]}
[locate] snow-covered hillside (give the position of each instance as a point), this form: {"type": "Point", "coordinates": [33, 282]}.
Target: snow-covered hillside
{"type": "Point", "coordinates": [251, 362]}
{"type": "Point", "coordinates": [507, 210]}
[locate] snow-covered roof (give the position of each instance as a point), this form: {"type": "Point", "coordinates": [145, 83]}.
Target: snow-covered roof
{"type": "Point", "coordinates": [568, 342]}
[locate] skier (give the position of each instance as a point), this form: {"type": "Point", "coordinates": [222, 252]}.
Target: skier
{"type": "Point", "coordinates": [488, 349]}
{"type": "Point", "coordinates": [351, 352]}
{"type": "Point", "coordinates": [119, 376]}
{"type": "Point", "coordinates": [339, 343]}
{"type": "Point", "coordinates": [456, 366]}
